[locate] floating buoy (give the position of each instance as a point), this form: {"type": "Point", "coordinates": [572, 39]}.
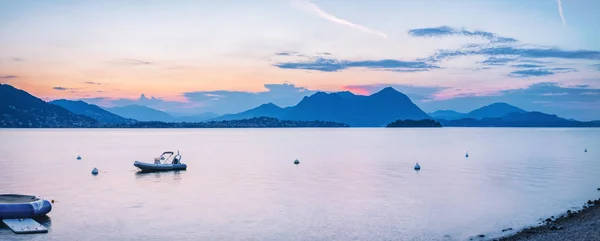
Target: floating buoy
{"type": "Point", "coordinates": [585, 150]}
{"type": "Point", "coordinates": [78, 157]}
{"type": "Point", "coordinates": [467, 155]}
{"type": "Point", "coordinates": [52, 201]}
{"type": "Point", "coordinates": [95, 171]}
{"type": "Point", "coordinates": [296, 162]}
{"type": "Point", "coordinates": [417, 166]}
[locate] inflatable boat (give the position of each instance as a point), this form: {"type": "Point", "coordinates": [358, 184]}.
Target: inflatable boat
{"type": "Point", "coordinates": [168, 161]}
{"type": "Point", "coordinates": [22, 206]}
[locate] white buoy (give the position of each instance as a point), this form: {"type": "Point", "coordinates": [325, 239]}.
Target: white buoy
{"type": "Point", "coordinates": [95, 171]}
{"type": "Point", "coordinates": [78, 157]}
{"type": "Point", "coordinates": [417, 166]}
{"type": "Point", "coordinates": [296, 162]}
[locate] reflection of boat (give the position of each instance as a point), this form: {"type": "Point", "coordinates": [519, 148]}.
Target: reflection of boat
{"type": "Point", "coordinates": [170, 162]}
{"type": "Point", "coordinates": [22, 206]}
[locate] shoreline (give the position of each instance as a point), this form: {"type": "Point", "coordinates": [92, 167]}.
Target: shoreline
{"type": "Point", "coordinates": [581, 224]}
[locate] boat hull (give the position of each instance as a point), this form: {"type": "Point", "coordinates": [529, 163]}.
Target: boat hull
{"type": "Point", "coordinates": [23, 206]}
{"type": "Point", "coordinates": [150, 167]}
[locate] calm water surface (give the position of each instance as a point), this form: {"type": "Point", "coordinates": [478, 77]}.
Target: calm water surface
{"type": "Point", "coordinates": [351, 184]}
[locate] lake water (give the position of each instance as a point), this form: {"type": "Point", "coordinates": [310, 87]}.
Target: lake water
{"type": "Point", "coordinates": [351, 184]}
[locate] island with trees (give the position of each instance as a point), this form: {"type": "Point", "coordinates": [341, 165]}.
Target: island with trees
{"type": "Point", "coordinates": [414, 123]}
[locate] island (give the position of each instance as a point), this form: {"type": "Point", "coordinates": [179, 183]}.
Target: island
{"type": "Point", "coordinates": [414, 123]}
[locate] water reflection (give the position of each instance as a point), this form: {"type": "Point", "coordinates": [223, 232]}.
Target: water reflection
{"type": "Point", "coordinates": [45, 221]}
{"type": "Point", "coordinates": [157, 175]}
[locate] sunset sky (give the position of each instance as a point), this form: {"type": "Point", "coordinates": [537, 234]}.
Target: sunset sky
{"type": "Point", "coordinates": [226, 56]}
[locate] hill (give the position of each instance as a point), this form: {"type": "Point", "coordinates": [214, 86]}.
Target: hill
{"type": "Point", "coordinates": [525, 119]}
{"type": "Point", "coordinates": [19, 109]}
{"type": "Point", "coordinates": [197, 118]}
{"type": "Point", "coordinates": [494, 110]}
{"type": "Point", "coordinates": [447, 115]}
{"type": "Point", "coordinates": [264, 110]}
{"type": "Point", "coordinates": [89, 110]}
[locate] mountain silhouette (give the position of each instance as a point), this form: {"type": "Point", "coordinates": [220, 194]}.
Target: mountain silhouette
{"type": "Point", "coordinates": [494, 110]}
{"type": "Point", "coordinates": [447, 115]}
{"type": "Point", "coordinates": [264, 110]}
{"type": "Point", "coordinates": [22, 110]}
{"type": "Point", "coordinates": [197, 117]}
{"type": "Point", "coordinates": [378, 109]}
{"type": "Point", "coordinates": [93, 111]}
{"type": "Point", "coordinates": [142, 113]}
{"type": "Point", "coordinates": [521, 119]}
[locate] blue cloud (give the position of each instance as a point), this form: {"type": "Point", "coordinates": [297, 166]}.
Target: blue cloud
{"type": "Point", "coordinates": [539, 72]}
{"type": "Point", "coordinates": [518, 53]}
{"type": "Point", "coordinates": [497, 61]}
{"type": "Point", "coordinates": [444, 31]}
{"type": "Point", "coordinates": [285, 53]}
{"type": "Point", "coordinates": [501, 50]}
{"type": "Point", "coordinates": [525, 66]}
{"type": "Point", "coordinates": [333, 65]}
{"type": "Point", "coordinates": [529, 73]}
{"type": "Point", "coordinates": [539, 53]}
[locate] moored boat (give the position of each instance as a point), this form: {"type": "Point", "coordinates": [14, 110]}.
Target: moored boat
{"type": "Point", "coordinates": [168, 161]}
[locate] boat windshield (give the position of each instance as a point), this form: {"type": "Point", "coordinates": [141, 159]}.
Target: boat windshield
{"type": "Point", "coordinates": [168, 157]}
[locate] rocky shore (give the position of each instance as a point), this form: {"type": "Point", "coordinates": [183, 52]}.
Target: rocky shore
{"type": "Point", "coordinates": [578, 225]}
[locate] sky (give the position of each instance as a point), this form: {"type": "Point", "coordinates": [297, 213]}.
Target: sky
{"type": "Point", "coordinates": [190, 57]}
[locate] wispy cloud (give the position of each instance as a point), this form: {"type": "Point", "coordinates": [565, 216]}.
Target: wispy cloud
{"type": "Point", "coordinates": [8, 77]}
{"type": "Point", "coordinates": [501, 50]}
{"type": "Point", "coordinates": [525, 66]}
{"type": "Point", "coordinates": [285, 53]}
{"type": "Point", "coordinates": [539, 72]}
{"type": "Point", "coordinates": [333, 65]}
{"type": "Point", "coordinates": [60, 88]}
{"type": "Point", "coordinates": [92, 83]}
{"type": "Point", "coordinates": [444, 31]}
{"type": "Point", "coordinates": [560, 12]}
{"type": "Point", "coordinates": [310, 6]}
{"type": "Point", "coordinates": [497, 61]}
{"type": "Point", "coordinates": [131, 62]}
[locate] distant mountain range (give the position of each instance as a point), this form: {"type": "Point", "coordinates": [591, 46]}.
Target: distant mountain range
{"type": "Point", "coordinates": [494, 110]}
{"type": "Point", "coordinates": [19, 109]}
{"type": "Point", "coordinates": [520, 119]}
{"type": "Point", "coordinates": [92, 111]}
{"type": "Point", "coordinates": [143, 113]}
{"type": "Point", "coordinates": [376, 110]}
